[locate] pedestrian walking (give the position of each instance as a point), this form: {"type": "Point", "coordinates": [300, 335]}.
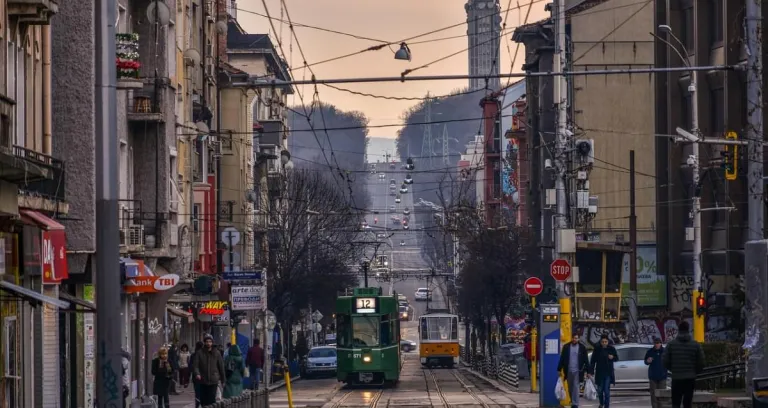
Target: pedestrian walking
{"type": "Point", "coordinates": [196, 384]}
{"type": "Point", "coordinates": [163, 373]}
{"type": "Point", "coordinates": [684, 358]}
{"type": "Point", "coordinates": [208, 369]}
{"type": "Point", "coordinates": [603, 358]}
{"type": "Point", "coordinates": [657, 374]}
{"type": "Point", "coordinates": [574, 364]}
{"type": "Point", "coordinates": [173, 358]}
{"type": "Point", "coordinates": [234, 366]}
{"type": "Point", "coordinates": [184, 365]}
{"type": "Point", "coordinates": [255, 362]}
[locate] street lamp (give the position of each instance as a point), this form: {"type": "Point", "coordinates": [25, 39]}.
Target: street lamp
{"type": "Point", "coordinates": [693, 160]}
{"type": "Point", "coordinates": [404, 53]}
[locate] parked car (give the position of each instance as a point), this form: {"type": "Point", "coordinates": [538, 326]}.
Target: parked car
{"type": "Point", "coordinates": [407, 345]}
{"type": "Point", "coordinates": [422, 294]}
{"type": "Point", "coordinates": [631, 371]}
{"type": "Point", "coordinates": [320, 361]}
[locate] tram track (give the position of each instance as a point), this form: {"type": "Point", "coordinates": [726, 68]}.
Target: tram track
{"type": "Point", "coordinates": [469, 389]}
{"type": "Point", "coordinates": [437, 388]}
{"type": "Point", "coordinates": [341, 400]}
{"type": "Point", "coordinates": [376, 398]}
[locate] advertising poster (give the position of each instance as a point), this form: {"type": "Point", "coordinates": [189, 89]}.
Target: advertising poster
{"type": "Point", "coordinates": [651, 285]}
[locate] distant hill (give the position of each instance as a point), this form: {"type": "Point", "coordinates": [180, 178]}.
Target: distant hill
{"type": "Point", "coordinates": [379, 146]}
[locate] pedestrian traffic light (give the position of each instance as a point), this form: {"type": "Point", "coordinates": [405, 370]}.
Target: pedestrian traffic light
{"type": "Point", "coordinates": [701, 305]}
{"type": "Point", "coordinates": [731, 157]}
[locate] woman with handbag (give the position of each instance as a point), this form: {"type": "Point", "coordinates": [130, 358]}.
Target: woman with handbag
{"type": "Point", "coordinates": [163, 372]}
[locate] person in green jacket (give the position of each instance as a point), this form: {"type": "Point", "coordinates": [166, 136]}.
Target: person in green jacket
{"type": "Point", "coordinates": [234, 366]}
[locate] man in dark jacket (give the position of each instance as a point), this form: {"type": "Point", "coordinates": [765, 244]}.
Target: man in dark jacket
{"type": "Point", "coordinates": [603, 358]}
{"type": "Point", "coordinates": [657, 374]}
{"type": "Point", "coordinates": [208, 369]}
{"type": "Point", "coordinates": [684, 358]}
{"type": "Point", "coordinates": [574, 365]}
{"type": "Point", "coordinates": [255, 362]}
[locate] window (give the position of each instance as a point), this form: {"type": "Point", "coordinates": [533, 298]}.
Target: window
{"type": "Point", "coordinates": [716, 14]}
{"type": "Point", "coordinates": [365, 331]}
{"type": "Point", "coordinates": [10, 364]}
{"type": "Point", "coordinates": [613, 267]}
{"type": "Point", "coordinates": [590, 265]}
{"type": "Point", "coordinates": [5, 131]}
{"type": "Point", "coordinates": [196, 218]}
{"type": "Point", "coordinates": [439, 328]}
{"type": "Point", "coordinates": [632, 353]}
{"type": "Point", "coordinates": [173, 172]}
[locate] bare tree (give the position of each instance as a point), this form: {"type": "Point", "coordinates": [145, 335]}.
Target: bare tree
{"type": "Point", "coordinates": [313, 230]}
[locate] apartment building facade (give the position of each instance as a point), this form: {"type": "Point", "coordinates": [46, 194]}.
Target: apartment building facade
{"type": "Point", "coordinates": [33, 183]}
{"type": "Point", "coordinates": [711, 33]}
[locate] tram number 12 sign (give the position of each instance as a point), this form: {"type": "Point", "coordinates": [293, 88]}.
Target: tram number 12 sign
{"type": "Point", "coordinates": [365, 305]}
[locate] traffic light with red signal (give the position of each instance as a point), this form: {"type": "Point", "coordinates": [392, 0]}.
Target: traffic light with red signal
{"type": "Point", "coordinates": [701, 305]}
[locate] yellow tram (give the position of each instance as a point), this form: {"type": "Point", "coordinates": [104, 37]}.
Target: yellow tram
{"type": "Point", "coordinates": [439, 340]}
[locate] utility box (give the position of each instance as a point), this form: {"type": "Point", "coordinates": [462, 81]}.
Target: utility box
{"type": "Point", "coordinates": [549, 351]}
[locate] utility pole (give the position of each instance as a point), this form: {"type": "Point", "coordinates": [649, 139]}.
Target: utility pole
{"type": "Point", "coordinates": [632, 243]}
{"type": "Point", "coordinates": [561, 146]}
{"type": "Point", "coordinates": [445, 145]}
{"type": "Point", "coordinates": [754, 16]}
{"type": "Point", "coordinates": [426, 141]}
{"type": "Point", "coordinates": [108, 291]}
{"type": "Point", "coordinates": [365, 265]}
{"type": "Point", "coordinates": [698, 320]}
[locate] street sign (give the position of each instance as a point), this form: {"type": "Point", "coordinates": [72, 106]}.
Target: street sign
{"type": "Point", "coordinates": [560, 270]}
{"type": "Point", "coordinates": [242, 275]}
{"type": "Point", "coordinates": [230, 237]}
{"type": "Point", "coordinates": [533, 286]}
{"type": "Point", "coordinates": [316, 316]}
{"type": "Point", "coordinates": [248, 297]}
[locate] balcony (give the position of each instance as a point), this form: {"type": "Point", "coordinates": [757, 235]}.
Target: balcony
{"type": "Point", "coordinates": [33, 11]}
{"type": "Point", "coordinates": [127, 60]}
{"type": "Point", "coordinates": [131, 227]}
{"type": "Point", "coordinates": [23, 166]}
{"type": "Point", "coordinates": [271, 132]}
{"type": "Point", "coordinates": [146, 106]}
{"type": "Point", "coordinates": [46, 194]}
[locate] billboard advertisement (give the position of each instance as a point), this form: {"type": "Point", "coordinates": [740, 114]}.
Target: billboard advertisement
{"type": "Point", "coordinates": [651, 285]}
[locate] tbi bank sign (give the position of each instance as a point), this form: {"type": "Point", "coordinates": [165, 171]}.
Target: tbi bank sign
{"type": "Point", "coordinates": [151, 284]}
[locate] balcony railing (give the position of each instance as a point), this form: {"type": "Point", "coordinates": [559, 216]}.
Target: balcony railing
{"type": "Point", "coordinates": [131, 227]}
{"type": "Point", "coordinates": [52, 188]}
{"type": "Point", "coordinates": [146, 106]}
{"type": "Point", "coordinates": [24, 167]}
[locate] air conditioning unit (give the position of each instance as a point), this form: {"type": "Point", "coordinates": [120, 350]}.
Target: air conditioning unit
{"type": "Point", "coordinates": [132, 236]}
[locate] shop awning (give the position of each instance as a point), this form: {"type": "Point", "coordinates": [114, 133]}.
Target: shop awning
{"type": "Point", "coordinates": [89, 307]}
{"type": "Point", "coordinates": [43, 221]}
{"type": "Point", "coordinates": [31, 294]}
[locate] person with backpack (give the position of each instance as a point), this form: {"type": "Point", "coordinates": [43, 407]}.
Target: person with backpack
{"type": "Point", "coordinates": [234, 367]}
{"type": "Point", "coordinates": [684, 358]}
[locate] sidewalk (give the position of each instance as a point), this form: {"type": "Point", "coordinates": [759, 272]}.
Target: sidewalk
{"type": "Point", "coordinates": [186, 399]}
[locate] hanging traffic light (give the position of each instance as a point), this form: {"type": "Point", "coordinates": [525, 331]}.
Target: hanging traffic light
{"type": "Point", "coordinates": [701, 306]}
{"type": "Point", "coordinates": [731, 157]}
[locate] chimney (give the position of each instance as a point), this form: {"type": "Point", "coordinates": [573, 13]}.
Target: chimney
{"type": "Point", "coordinates": [222, 6]}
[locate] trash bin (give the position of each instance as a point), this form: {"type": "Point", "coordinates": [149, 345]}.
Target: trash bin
{"type": "Point", "coordinates": [760, 392]}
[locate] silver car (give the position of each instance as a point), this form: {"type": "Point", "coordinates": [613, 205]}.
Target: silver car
{"type": "Point", "coordinates": [631, 371]}
{"type": "Point", "coordinates": [321, 360]}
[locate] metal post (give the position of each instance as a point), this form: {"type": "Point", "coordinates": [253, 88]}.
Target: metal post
{"type": "Point", "coordinates": [534, 359]}
{"type": "Point", "coordinates": [365, 273]}
{"type": "Point", "coordinates": [561, 100]}
{"type": "Point", "coordinates": [108, 295]}
{"type": "Point", "coordinates": [754, 16]}
{"type": "Point", "coordinates": [698, 320]}
{"type": "Point", "coordinates": [632, 243]}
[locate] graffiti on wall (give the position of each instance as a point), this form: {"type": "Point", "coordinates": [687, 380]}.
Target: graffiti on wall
{"type": "Point", "coordinates": [154, 327]}
{"type": "Point", "coordinates": [681, 290]}
{"type": "Point", "coordinates": [719, 328]}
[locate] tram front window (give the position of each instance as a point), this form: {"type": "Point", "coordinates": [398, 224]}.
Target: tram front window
{"type": "Point", "coordinates": [439, 328]}
{"type": "Point", "coordinates": [365, 331]}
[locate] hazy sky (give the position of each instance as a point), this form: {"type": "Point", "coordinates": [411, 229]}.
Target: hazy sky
{"type": "Point", "coordinates": [387, 21]}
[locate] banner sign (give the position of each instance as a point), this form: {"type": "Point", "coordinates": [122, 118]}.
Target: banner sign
{"type": "Point", "coordinates": [212, 308]}
{"type": "Point", "coordinates": [248, 297]}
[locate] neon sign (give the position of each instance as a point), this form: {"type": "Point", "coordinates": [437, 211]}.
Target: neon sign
{"type": "Point", "coordinates": [213, 308]}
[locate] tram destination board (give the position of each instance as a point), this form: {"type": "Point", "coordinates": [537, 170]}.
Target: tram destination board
{"type": "Point", "coordinates": [365, 305]}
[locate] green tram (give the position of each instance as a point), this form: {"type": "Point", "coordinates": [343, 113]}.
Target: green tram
{"type": "Point", "coordinates": [368, 338]}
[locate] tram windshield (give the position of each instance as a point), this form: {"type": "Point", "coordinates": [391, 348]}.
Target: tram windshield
{"type": "Point", "coordinates": [365, 331]}
{"type": "Point", "coordinates": [438, 328]}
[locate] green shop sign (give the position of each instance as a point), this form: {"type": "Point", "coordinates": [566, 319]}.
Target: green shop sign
{"type": "Point", "coordinates": [651, 285]}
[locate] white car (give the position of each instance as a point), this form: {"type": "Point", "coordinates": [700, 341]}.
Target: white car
{"type": "Point", "coordinates": [403, 190]}
{"type": "Point", "coordinates": [397, 200]}
{"type": "Point", "coordinates": [405, 226]}
{"type": "Point", "coordinates": [408, 179]}
{"type": "Point", "coordinates": [392, 208]}
{"type": "Point", "coordinates": [402, 243]}
{"type": "Point", "coordinates": [422, 294]}
{"type": "Point", "coordinates": [381, 176]}
{"type": "Point", "coordinates": [406, 211]}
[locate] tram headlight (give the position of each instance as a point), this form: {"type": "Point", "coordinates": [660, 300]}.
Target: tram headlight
{"type": "Point", "coordinates": [366, 359]}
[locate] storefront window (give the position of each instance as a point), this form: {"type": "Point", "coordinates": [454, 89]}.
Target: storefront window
{"type": "Point", "coordinates": [10, 369]}
{"type": "Point", "coordinates": [590, 308]}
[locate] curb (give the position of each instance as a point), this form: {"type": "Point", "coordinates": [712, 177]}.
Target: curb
{"type": "Point", "coordinates": [281, 384]}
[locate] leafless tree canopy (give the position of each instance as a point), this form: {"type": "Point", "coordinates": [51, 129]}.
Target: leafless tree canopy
{"type": "Point", "coordinates": [314, 231]}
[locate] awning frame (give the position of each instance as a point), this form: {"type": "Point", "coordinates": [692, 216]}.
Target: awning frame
{"type": "Point", "coordinates": [87, 307]}
{"type": "Point", "coordinates": [31, 294]}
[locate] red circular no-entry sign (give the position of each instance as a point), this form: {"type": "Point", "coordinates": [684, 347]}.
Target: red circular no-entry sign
{"type": "Point", "coordinates": [560, 270]}
{"type": "Point", "coordinates": [533, 286]}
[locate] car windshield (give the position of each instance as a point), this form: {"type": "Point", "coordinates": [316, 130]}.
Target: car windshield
{"type": "Point", "coordinates": [403, 309]}
{"type": "Point", "coordinates": [322, 353]}
{"type": "Point", "coordinates": [365, 331]}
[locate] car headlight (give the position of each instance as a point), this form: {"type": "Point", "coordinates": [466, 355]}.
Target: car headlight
{"type": "Point", "coordinates": [366, 359]}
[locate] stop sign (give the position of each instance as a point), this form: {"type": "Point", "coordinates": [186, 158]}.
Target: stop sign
{"type": "Point", "coordinates": [560, 270]}
{"type": "Point", "coordinates": [533, 286]}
